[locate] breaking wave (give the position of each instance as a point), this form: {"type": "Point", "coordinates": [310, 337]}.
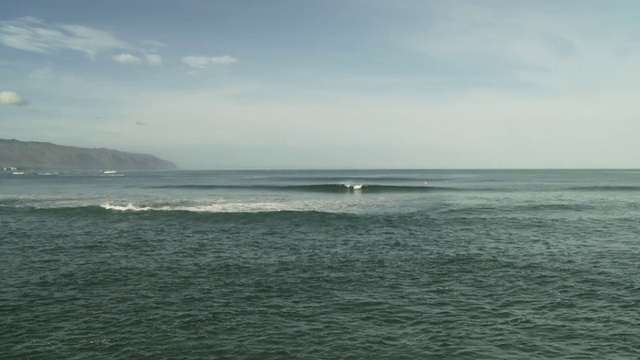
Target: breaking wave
{"type": "Point", "coordinates": [210, 208]}
{"type": "Point", "coordinates": [320, 188]}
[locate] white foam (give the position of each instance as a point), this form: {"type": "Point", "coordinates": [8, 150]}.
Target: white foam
{"type": "Point", "coordinates": [250, 205]}
{"type": "Point", "coordinates": [209, 208]}
{"type": "Point", "coordinates": [353, 187]}
{"type": "Point", "coordinates": [128, 207]}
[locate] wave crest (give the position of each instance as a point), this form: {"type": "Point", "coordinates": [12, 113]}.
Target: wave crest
{"type": "Point", "coordinates": [208, 208]}
{"type": "Point", "coordinates": [128, 207]}
{"type": "Point", "coordinates": [325, 188]}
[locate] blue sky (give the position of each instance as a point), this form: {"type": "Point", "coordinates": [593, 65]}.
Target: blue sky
{"type": "Point", "coordinates": [328, 84]}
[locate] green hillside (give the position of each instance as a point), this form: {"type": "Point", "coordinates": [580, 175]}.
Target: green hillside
{"type": "Point", "coordinates": [40, 155]}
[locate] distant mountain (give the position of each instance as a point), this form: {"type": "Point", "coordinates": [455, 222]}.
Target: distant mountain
{"type": "Point", "coordinates": [40, 155]}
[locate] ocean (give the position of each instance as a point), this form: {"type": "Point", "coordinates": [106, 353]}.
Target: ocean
{"type": "Point", "coordinates": [368, 264]}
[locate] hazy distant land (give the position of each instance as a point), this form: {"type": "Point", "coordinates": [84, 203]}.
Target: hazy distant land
{"type": "Point", "coordinates": [41, 155]}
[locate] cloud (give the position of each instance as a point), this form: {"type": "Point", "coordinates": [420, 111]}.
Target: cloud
{"type": "Point", "coordinates": [203, 61]}
{"type": "Point", "coordinates": [11, 98]}
{"type": "Point", "coordinates": [152, 45]}
{"type": "Point", "coordinates": [140, 123]}
{"type": "Point", "coordinates": [476, 34]}
{"type": "Point", "coordinates": [534, 48]}
{"type": "Point", "coordinates": [154, 59]}
{"type": "Point", "coordinates": [223, 60]}
{"type": "Point", "coordinates": [126, 59]}
{"type": "Point", "coordinates": [35, 35]}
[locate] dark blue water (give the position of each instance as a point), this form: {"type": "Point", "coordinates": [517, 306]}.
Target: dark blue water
{"type": "Point", "coordinates": [320, 265]}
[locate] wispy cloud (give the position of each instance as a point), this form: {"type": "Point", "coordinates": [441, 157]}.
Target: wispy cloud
{"type": "Point", "coordinates": [201, 62]}
{"type": "Point", "coordinates": [472, 34]}
{"type": "Point", "coordinates": [154, 59]}
{"type": "Point", "coordinates": [126, 59]}
{"type": "Point", "coordinates": [11, 98]}
{"type": "Point", "coordinates": [530, 46]}
{"type": "Point", "coordinates": [35, 35]}
{"type": "Point", "coordinates": [152, 45]}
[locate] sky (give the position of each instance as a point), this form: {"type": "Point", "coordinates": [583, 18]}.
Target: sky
{"type": "Point", "coordinates": [247, 84]}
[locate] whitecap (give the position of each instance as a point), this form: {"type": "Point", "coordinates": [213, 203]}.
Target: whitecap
{"type": "Point", "coordinates": [128, 207]}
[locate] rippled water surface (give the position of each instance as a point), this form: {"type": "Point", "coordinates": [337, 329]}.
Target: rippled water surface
{"type": "Point", "coordinates": [310, 265]}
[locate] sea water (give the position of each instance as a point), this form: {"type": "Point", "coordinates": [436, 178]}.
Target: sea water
{"type": "Point", "coordinates": [420, 264]}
